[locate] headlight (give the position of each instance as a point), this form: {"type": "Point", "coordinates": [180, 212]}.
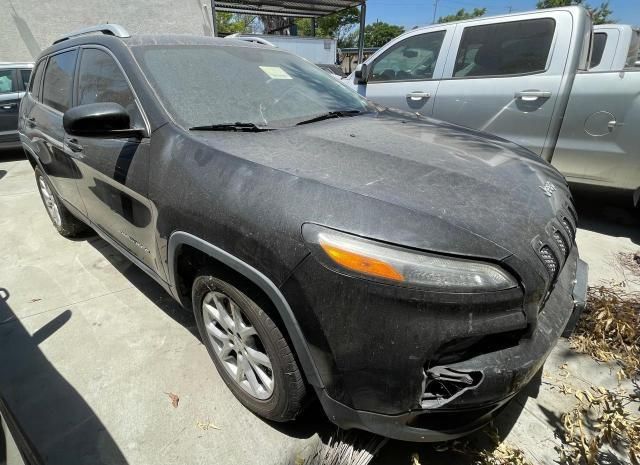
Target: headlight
{"type": "Point", "coordinates": [375, 260]}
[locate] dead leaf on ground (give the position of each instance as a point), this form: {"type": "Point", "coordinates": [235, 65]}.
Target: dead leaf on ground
{"type": "Point", "coordinates": [206, 425]}
{"type": "Point", "coordinates": [37, 299]}
{"type": "Point", "coordinates": [174, 399]}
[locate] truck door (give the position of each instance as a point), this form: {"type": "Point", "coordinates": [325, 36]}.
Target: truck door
{"type": "Point", "coordinates": [504, 76]}
{"type": "Point", "coordinates": [10, 95]}
{"type": "Point", "coordinates": [598, 142]}
{"type": "Point", "coordinates": [405, 74]}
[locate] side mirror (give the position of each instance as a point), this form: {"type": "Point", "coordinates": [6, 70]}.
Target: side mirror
{"type": "Point", "coordinates": [99, 120]}
{"type": "Point", "coordinates": [362, 73]}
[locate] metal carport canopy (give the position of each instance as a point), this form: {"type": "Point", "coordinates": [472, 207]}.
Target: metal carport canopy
{"type": "Point", "coordinates": [299, 9]}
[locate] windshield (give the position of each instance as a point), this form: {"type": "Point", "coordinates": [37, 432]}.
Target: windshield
{"type": "Point", "coordinates": [208, 85]}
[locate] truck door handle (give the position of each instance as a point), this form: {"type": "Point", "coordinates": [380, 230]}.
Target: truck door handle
{"type": "Point", "coordinates": [9, 106]}
{"type": "Point", "coordinates": [31, 122]}
{"type": "Point", "coordinates": [531, 95]}
{"type": "Point", "coordinates": [417, 95]}
{"type": "Point", "coordinates": [74, 146]}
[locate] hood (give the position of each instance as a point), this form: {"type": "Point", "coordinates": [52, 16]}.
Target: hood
{"type": "Point", "coordinates": [470, 180]}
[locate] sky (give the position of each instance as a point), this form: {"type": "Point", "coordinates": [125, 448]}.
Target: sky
{"type": "Point", "coordinates": [409, 13]}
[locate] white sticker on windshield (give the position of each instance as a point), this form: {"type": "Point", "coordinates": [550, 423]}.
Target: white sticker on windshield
{"type": "Point", "coordinates": [275, 72]}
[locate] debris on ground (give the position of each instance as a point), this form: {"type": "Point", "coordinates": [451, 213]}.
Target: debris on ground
{"type": "Point", "coordinates": [37, 299]}
{"type": "Point", "coordinates": [629, 265]}
{"type": "Point", "coordinates": [609, 329]}
{"type": "Point", "coordinates": [345, 448]}
{"type": "Point", "coordinates": [600, 429]}
{"type": "Point", "coordinates": [174, 399]}
{"type": "Point", "coordinates": [206, 425]}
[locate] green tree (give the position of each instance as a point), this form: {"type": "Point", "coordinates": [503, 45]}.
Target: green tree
{"type": "Point", "coordinates": [600, 15]}
{"type": "Point", "coordinates": [230, 23]}
{"type": "Point", "coordinates": [462, 14]}
{"type": "Point", "coordinates": [376, 34]}
{"type": "Point", "coordinates": [338, 25]}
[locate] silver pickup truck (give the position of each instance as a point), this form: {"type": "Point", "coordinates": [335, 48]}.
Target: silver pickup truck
{"type": "Point", "coordinates": [524, 77]}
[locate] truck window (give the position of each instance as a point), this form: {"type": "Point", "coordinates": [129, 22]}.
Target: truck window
{"type": "Point", "coordinates": [599, 41]}
{"type": "Point", "coordinates": [25, 74]}
{"type": "Point", "coordinates": [517, 47]}
{"type": "Point", "coordinates": [100, 80]}
{"type": "Point", "coordinates": [412, 59]}
{"type": "Point", "coordinates": [633, 56]}
{"type": "Point", "coordinates": [58, 80]}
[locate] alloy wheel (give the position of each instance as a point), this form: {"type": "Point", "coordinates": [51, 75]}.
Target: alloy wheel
{"type": "Point", "coordinates": [49, 202]}
{"type": "Point", "coordinates": [237, 345]}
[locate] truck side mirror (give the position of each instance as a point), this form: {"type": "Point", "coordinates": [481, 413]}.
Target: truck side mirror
{"type": "Point", "coordinates": [362, 73]}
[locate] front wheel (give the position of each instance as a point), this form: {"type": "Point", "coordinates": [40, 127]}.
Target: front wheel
{"type": "Point", "coordinates": [65, 223]}
{"type": "Point", "coordinates": [250, 352]}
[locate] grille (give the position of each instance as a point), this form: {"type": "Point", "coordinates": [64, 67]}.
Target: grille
{"type": "Point", "coordinates": [569, 228]}
{"type": "Point", "coordinates": [549, 259]}
{"type": "Point", "coordinates": [562, 245]}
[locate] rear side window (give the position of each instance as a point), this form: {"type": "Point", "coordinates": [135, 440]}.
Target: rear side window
{"type": "Point", "coordinates": [58, 81]}
{"type": "Point", "coordinates": [100, 80]}
{"type": "Point", "coordinates": [599, 41]}
{"type": "Point", "coordinates": [34, 84]}
{"type": "Point", "coordinates": [518, 47]}
{"type": "Point", "coordinates": [6, 81]}
{"type": "Point", "coordinates": [412, 59]}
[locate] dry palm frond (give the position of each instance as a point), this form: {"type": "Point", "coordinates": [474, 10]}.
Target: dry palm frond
{"type": "Point", "coordinates": [609, 329]}
{"type": "Point", "coordinates": [346, 448]}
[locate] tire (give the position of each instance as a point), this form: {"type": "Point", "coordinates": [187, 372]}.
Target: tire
{"type": "Point", "coordinates": [214, 304]}
{"type": "Point", "coordinates": [65, 223]}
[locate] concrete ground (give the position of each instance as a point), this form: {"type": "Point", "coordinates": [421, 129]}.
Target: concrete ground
{"type": "Point", "coordinates": [91, 348]}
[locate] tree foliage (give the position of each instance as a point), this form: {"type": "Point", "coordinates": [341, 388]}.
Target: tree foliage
{"type": "Point", "coordinates": [600, 15]}
{"type": "Point", "coordinates": [462, 14]}
{"type": "Point", "coordinates": [338, 25]}
{"type": "Point", "coordinates": [376, 34]}
{"type": "Point", "coordinates": [230, 23]}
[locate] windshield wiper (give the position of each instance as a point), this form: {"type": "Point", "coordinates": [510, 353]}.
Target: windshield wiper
{"type": "Point", "coordinates": [330, 115]}
{"type": "Point", "coordinates": [239, 127]}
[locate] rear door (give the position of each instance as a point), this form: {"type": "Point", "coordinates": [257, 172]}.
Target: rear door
{"type": "Point", "coordinates": [405, 73]}
{"type": "Point", "coordinates": [504, 75]}
{"type": "Point", "coordinates": [10, 95]}
{"type": "Point", "coordinates": [114, 170]}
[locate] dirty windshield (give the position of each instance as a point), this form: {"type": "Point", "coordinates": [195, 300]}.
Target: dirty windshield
{"type": "Point", "coordinates": [213, 85]}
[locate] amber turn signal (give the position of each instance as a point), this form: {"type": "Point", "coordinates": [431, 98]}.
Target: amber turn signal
{"type": "Point", "coordinates": [361, 263]}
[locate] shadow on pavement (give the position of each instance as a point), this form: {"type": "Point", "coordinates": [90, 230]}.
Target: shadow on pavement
{"type": "Point", "coordinates": [12, 155]}
{"type": "Point", "coordinates": [608, 213]}
{"type": "Point", "coordinates": [48, 418]}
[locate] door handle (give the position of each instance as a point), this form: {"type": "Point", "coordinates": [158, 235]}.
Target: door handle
{"type": "Point", "coordinates": [418, 95]}
{"type": "Point", "coordinates": [531, 95]}
{"type": "Point", "coordinates": [74, 146]}
{"type": "Point", "coordinates": [31, 122]}
{"type": "Point", "coordinates": [8, 106]}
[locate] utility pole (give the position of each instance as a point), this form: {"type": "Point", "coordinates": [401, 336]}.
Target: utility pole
{"type": "Point", "coordinates": [435, 9]}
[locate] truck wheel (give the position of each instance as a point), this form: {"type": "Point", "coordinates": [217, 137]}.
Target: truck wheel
{"type": "Point", "coordinates": [249, 351]}
{"type": "Point", "coordinates": [64, 222]}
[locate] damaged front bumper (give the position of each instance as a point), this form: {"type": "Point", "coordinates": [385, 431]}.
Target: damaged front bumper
{"type": "Point", "coordinates": [486, 382]}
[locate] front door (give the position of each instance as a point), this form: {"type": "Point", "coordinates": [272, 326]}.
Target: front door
{"type": "Point", "coordinates": [114, 170]}
{"type": "Point", "coordinates": [504, 76]}
{"type": "Point", "coordinates": [404, 74]}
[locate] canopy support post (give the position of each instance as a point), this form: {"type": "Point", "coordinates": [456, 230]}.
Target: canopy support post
{"type": "Point", "coordinates": [363, 20]}
{"type": "Point", "coordinates": [214, 32]}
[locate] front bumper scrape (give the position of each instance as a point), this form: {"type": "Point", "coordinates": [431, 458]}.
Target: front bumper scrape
{"type": "Point", "coordinates": [579, 297]}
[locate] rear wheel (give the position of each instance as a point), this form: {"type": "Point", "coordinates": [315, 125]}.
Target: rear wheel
{"type": "Point", "coordinates": [64, 222]}
{"type": "Point", "coordinates": [251, 354]}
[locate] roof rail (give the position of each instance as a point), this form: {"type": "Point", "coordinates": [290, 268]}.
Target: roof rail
{"type": "Point", "coordinates": [110, 29]}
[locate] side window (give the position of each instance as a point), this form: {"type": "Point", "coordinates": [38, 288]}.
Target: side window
{"type": "Point", "coordinates": [6, 81]}
{"type": "Point", "coordinates": [34, 84]}
{"type": "Point", "coordinates": [409, 60]}
{"type": "Point", "coordinates": [25, 74]}
{"type": "Point", "coordinates": [518, 47]}
{"type": "Point", "coordinates": [100, 80]}
{"type": "Point", "coordinates": [599, 41]}
{"type": "Point", "coordinates": [58, 81]}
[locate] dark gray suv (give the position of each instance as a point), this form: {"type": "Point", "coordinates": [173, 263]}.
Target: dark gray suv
{"type": "Point", "coordinates": [412, 275]}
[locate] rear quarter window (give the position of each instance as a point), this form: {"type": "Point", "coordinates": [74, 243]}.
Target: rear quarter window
{"type": "Point", "coordinates": [36, 78]}
{"type": "Point", "coordinates": [502, 49]}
